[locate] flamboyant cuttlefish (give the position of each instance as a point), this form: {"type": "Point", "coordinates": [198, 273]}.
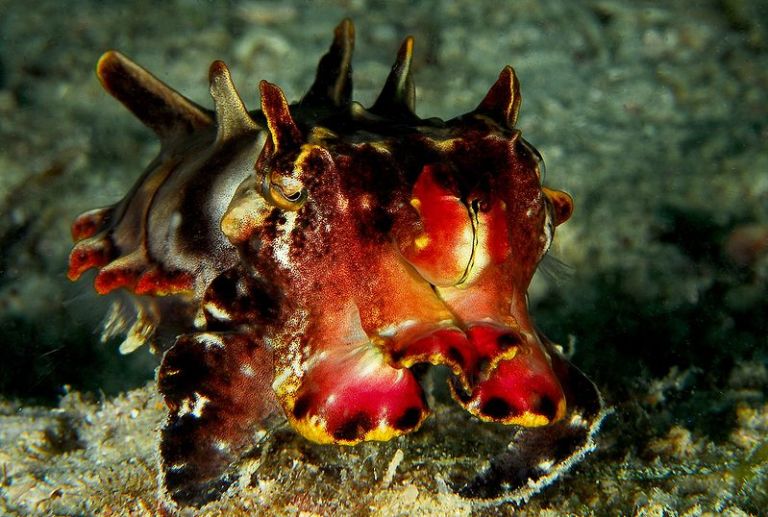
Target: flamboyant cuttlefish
{"type": "Point", "coordinates": [307, 256]}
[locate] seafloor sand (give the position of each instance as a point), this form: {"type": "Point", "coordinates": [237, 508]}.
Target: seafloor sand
{"type": "Point", "coordinates": [654, 115]}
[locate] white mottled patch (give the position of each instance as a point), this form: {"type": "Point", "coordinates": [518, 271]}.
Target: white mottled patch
{"type": "Point", "coordinates": [342, 203]}
{"type": "Point", "coordinates": [210, 340]}
{"type": "Point", "coordinates": [297, 365]}
{"type": "Point", "coordinates": [280, 378]}
{"type": "Point", "coordinates": [299, 319]}
{"type": "Point", "coordinates": [365, 202]}
{"type": "Point", "coordinates": [199, 405]}
{"type": "Point", "coordinates": [200, 320]}
{"type": "Point", "coordinates": [247, 370]}
{"type": "Point", "coordinates": [184, 408]}
{"type": "Point", "coordinates": [193, 407]}
{"type": "Point", "coordinates": [177, 467]}
{"type": "Point", "coordinates": [217, 312]}
{"type": "Point", "coordinates": [281, 248]}
{"type": "Point", "coordinates": [221, 445]}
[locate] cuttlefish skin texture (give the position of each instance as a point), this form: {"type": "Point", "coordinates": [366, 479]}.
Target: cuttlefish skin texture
{"type": "Point", "coordinates": [307, 256]}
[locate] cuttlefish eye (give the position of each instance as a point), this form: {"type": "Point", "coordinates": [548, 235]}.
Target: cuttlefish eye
{"type": "Point", "coordinates": [283, 191]}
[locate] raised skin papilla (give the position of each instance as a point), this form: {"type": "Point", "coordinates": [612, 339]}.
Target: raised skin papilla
{"type": "Point", "coordinates": [312, 254]}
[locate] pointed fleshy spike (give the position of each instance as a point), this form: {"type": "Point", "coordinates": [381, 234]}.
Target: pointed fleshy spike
{"type": "Point", "coordinates": [562, 204]}
{"type": "Point", "coordinates": [91, 222]}
{"type": "Point", "coordinates": [232, 117]}
{"type": "Point", "coordinates": [282, 129]}
{"type": "Point", "coordinates": [333, 81]}
{"type": "Point", "coordinates": [398, 97]}
{"type": "Point", "coordinates": [502, 102]}
{"type": "Point", "coordinates": [161, 108]}
{"type": "Point", "coordinates": [88, 253]}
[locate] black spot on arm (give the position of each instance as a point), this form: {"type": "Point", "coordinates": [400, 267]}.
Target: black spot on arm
{"type": "Point", "coordinates": [547, 408]}
{"type": "Point", "coordinates": [496, 408]}
{"type": "Point", "coordinates": [408, 419]}
{"type": "Point", "coordinates": [354, 428]}
{"type": "Point", "coordinates": [301, 407]}
{"type": "Point", "coordinates": [455, 356]}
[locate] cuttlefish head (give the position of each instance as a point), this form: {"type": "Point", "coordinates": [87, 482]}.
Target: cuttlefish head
{"type": "Point", "coordinates": [397, 241]}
